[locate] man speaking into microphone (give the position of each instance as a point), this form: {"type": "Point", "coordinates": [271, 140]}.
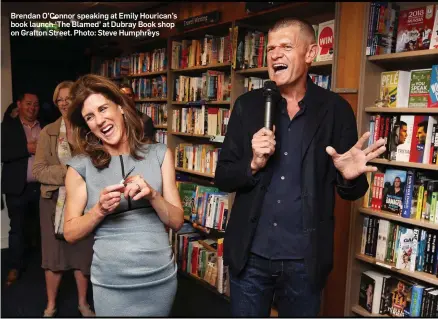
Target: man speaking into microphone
{"type": "Point", "coordinates": [279, 238]}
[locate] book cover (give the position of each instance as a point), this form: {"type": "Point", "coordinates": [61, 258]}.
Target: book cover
{"type": "Point", "coordinates": [401, 138]}
{"type": "Point", "coordinates": [434, 35]}
{"type": "Point", "coordinates": [413, 28]}
{"type": "Point", "coordinates": [419, 88]}
{"type": "Point", "coordinates": [405, 248]}
{"type": "Point", "coordinates": [326, 40]}
{"type": "Point", "coordinates": [419, 142]}
{"type": "Point", "coordinates": [433, 86]}
{"type": "Point", "coordinates": [366, 292]}
{"type": "Point", "coordinates": [393, 193]}
{"type": "Point", "coordinates": [400, 293]}
{"type": "Point", "coordinates": [394, 88]}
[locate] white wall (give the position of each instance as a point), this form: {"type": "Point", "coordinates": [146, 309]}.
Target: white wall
{"type": "Point", "coordinates": [6, 96]}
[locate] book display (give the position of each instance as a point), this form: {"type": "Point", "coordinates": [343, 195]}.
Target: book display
{"type": "Point", "coordinates": [392, 266]}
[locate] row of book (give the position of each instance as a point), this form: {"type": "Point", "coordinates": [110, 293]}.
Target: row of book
{"type": "Point", "coordinates": [155, 87]}
{"type": "Point", "coordinates": [406, 248]}
{"type": "Point", "coordinates": [409, 193]}
{"type": "Point", "coordinates": [382, 294]}
{"type": "Point", "coordinates": [202, 120]}
{"type": "Point", "coordinates": [156, 111]}
{"type": "Point", "coordinates": [393, 30]}
{"type": "Point", "coordinates": [409, 89]}
{"type": "Point", "coordinates": [116, 67]}
{"type": "Point", "coordinates": [143, 62]}
{"type": "Point", "coordinates": [408, 138]}
{"type": "Point", "coordinates": [201, 257]}
{"type": "Point", "coordinates": [206, 206]}
{"type": "Point", "coordinates": [254, 83]}
{"type": "Point", "coordinates": [211, 86]}
{"type": "Point", "coordinates": [208, 50]}
{"type": "Point", "coordinates": [161, 136]}
{"type": "Point", "coordinates": [200, 158]}
{"type": "Point", "coordinates": [251, 45]}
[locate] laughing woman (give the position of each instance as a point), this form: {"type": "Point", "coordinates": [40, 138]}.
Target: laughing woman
{"type": "Point", "coordinates": [133, 270]}
{"type": "Point", "coordinates": [53, 151]}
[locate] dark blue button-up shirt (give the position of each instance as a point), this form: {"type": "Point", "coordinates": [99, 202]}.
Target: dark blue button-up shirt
{"type": "Point", "coordinates": [279, 234]}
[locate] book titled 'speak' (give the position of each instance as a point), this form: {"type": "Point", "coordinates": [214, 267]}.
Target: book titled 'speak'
{"type": "Point", "coordinates": [419, 88]}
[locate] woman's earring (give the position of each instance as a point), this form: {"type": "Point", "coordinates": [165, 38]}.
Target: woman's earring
{"type": "Point", "coordinates": [88, 142]}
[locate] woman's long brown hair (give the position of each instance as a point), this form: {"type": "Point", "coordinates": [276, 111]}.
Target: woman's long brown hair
{"type": "Point", "coordinates": [94, 84]}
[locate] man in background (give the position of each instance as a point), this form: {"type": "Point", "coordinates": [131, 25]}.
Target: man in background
{"type": "Point", "coordinates": [148, 124]}
{"type": "Point", "coordinates": [19, 139]}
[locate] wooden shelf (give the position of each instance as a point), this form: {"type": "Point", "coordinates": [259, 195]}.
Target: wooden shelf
{"type": "Point", "coordinates": [206, 102]}
{"type": "Point", "coordinates": [364, 313]}
{"type": "Point", "coordinates": [153, 99]}
{"type": "Point", "coordinates": [204, 284]}
{"type": "Point", "coordinates": [160, 126]}
{"type": "Point", "coordinates": [403, 110]}
{"type": "Point", "coordinates": [419, 55]}
{"type": "Point", "coordinates": [397, 218]}
{"type": "Point", "coordinates": [194, 172]}
{"type": "Point", "coordinates": [265, 69]}
{"type": "Point", "coordinates": [190, 134]}
{"type": "Point", "coordinates": [216, 66]}
{"type": "Point", "coordinates": [383, 161]}
{"type": "Point", "coordinates": [429, 278]}
{"type": "Point", "coordinates": [204, 229]}
{"type": "Point", "coordinates": [148, 74]}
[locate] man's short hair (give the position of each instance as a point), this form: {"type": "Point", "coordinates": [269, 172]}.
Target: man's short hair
{"type": "Point", "coordinates": [20, 96]}
{"type": "Point", "coordinates": [306, 28]}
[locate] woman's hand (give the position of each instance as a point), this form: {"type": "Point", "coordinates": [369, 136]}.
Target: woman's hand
{"type": "Point", "coordinates": [110, 198]}
{"type": "Point", "coordinates": [136, 187]}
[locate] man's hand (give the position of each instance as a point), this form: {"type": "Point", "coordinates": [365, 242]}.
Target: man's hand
{"type": "Point", "coordinates": [31, 147]}
{"type": "Point", "coordinates": [353, 163]}
{"type": "Point", "coordinates": [263, 146]}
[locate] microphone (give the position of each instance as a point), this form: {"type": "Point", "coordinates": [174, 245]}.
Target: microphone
{"type": "Point", "coordinates": [270, 91]}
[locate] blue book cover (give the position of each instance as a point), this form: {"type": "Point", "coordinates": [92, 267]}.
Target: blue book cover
{"type": "Point", "coordinates": [433, 87]}
{"type": "Point", "coordinates": [416, 299]}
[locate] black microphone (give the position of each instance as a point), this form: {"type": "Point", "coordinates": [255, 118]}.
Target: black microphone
{"type": "Point", "coordinates": [270, 91]}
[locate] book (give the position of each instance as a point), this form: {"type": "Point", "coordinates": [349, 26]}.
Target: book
{"type": "Point", "coordinates": [434, 36]}
{"type": "Point", "coordinates": [326, 40]}
{"type": "Point", "coordinates": [419, 88]}
{"type": "Point", "coordinates": [433, 86]}
{"type": "Point", "coordinates": [394, 88]}
{"type": "Point", "coordinates": [366, 292]}
{"type": "Point", "coordinates": [405, 248]}
{"type": "Point", "coordinates": [401, 138]}
{"type": "Point", "coordinates": [393, 193]}
{"type": "Point", "coordinates": [412, 24]}
{"type": "Point", "coordinates": [419, 142]}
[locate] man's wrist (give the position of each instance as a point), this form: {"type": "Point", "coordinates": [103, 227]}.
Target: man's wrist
{"type": "Point", "coordinates": [254, 167]}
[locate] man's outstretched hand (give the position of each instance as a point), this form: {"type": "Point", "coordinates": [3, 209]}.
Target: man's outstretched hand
{"type": "Point", "coordinates": [353, 163]}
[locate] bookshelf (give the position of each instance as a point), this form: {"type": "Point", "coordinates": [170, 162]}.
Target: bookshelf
{"type": "Point", "coordinates": [315, 13]}
{"type": "Point", "coordinates": [370, 70]}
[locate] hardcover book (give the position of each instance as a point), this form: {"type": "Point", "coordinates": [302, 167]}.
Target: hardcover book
{"type": "Point", "coordinates": [394, 88]}
{"type": "Point", "coordinates": [419, 88]}
{"type": "Point", "coordinates": [393, 192]}
{"type": "Point", "coordinates": [326, 40]}
{"type": "Point", "coordinates": [415, 28]}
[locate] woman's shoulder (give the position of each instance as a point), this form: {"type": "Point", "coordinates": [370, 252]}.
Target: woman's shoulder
{"type": "Point", "coordinates": [157, 150]}
{"type": "Point", "coordinates": [79, 162]}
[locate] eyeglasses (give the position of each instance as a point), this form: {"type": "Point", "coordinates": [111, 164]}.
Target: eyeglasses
{"type": "Point", "coordinates": [66, 100]}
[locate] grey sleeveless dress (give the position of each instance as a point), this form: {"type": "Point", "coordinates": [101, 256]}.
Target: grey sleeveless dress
{"type": "Point", "coordinates": [133, 270]}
